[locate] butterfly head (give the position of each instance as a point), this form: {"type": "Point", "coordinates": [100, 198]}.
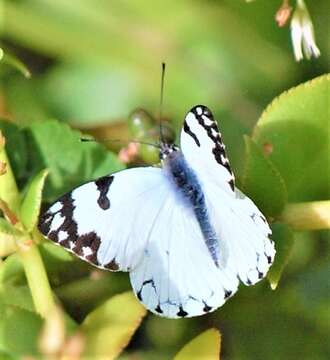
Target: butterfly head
{"type": "Point", "coordinates": [166, 150]}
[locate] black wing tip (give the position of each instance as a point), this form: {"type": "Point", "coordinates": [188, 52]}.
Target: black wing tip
{"type": "Point", "coordinates": [200, 110]}
{"type": "Point", "coordinates": [44, 223]}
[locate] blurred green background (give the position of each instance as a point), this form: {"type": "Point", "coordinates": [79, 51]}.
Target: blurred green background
{"type": "Point", "coordinates": [93, 62]}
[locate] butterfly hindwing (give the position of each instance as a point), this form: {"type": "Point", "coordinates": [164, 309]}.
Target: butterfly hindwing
{"type": "Point", "coordinates": [177, 277]}
{"type": "Point", "coordinates": [243, 231]}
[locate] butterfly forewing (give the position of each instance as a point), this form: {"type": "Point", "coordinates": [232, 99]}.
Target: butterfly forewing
{"type": "Point", "coordinates": [106, 222]}
{"type": "Point", "coordinates": [203, 148]}
{"type": "Point", "coordinates": [243, 232]}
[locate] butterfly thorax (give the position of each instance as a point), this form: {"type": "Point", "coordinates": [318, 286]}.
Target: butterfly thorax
{"type": "Point", "coordinates": [167, 149]}
{"type": "Point", "coordinates": [187, 183]}
{"type": "Point", "coordinates": [183, 177]}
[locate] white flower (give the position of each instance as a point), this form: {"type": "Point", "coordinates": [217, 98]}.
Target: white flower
{"type": "Point", "coordinates": [302, 33]}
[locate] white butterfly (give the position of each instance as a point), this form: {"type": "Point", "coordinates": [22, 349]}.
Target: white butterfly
{"type": "Point", "coordinates": [184, 232]}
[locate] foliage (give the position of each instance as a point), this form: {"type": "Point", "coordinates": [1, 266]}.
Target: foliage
{"type": "Point", "coordinates": [92, 64]}
{"type": "Point", "coordinates": [205, 346]}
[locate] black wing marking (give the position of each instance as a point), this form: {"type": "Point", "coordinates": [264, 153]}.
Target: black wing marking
{"type": "Point", "coordinates": [206, 120]}
{"type": "Point", "coordinates": [59, 225]}
{"type": "Point", "coordinates": [103, 185]}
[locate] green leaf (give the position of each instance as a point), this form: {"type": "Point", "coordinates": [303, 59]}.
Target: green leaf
{"type": "Point", "coordinates": [262, 182]}
{"type": "Point", "coordinates": [8, 237]}
{"type": "Point", "coordinates": [205, 346]}
{"type": "Point", "coordinates": [24, 100]}
{"type": "Point", "coordinates": [284, 242]}
{"type": "Point", "coordinates": [79, 301]}
{"type": "Point", "coordinates": [19, 330]}
{"type": "Point", "coordinates": [296, 125]}
{"type": "Point", "coordinates": [116, 321]}
{"type": "Point", "coordinates": [312, 294]}
{"type": "Point", "coordinates": [58, 263]}
{"type": "Point", "coordinates": [52, 253]}
{"type": "Point", "coordinates": [18, 296]}
{"type": "Point", "coordinates": [30, 207]}
{"type": "Point", "coordinates": [62, 266]}
{"type": "Point", "coordinates": [11, 271]}
{"type": "Point", "coordinates": [13, 61]}
{"type": "Point", "coordinates": [55, 146]}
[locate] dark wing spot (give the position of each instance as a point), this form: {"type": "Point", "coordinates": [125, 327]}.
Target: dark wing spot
{"type": "Point", "coordinates": [158, 309]}
{"type": "Point", "coordinates": [72, 241]}
{"type": "Point", "coordinates": [65, 243]}
{"type": "Point", "coordinates": [260, 274]}
{"type": "Point", "coordinates": [231, 184]}
{"type": "Point", "coordinates": [207, 308]}
{"type": "Point", "coordinates": [186, 129]}
{"type": "Point", "coordinates": [53, 236]}
{"type": "Point", "coordinates": [90, 240]}
{"type": "Point", "coordinates": [45, 222]}
{"type": "Point", "coordinates": [228, 294]}
{"type": "Point", "coordinates": [69, 225]}
{"type": "Point", "coordinates": [146, 282]}
{"type": "Point", "coordinates": [103, 185]}
{"type": "Point", "coordinates": [112, 265]}
{"type": "Point", "coordinates": [67, 205]}
{"type": "Point", "coordinates": [214, 134]}
{"type": "Point", "coordinates": [182, 313]}
{"type": "Point", "coordinates": [205, 111]}
{"type": "Point", "coordinates": [263, 219]}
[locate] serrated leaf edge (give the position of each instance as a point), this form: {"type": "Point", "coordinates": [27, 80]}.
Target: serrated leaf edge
{"type": "Point", "coordinates": [123, 342]}
{"type": "Point", "coordinates": [279, 98]}
{"type": "Point", "coordinates": [43, 175]}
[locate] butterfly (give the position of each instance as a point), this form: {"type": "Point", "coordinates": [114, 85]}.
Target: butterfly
{"type": "Point", "coordinates": [184, 232]}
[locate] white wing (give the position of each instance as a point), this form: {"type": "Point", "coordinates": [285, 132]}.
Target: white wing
{"type": "Point", "coordinates": [136, 220]}
{"type": "Point", "coordinates": [242, 230]}
{"type": "Point", "coordinates": [202, 146]}
{"type": "Point", "coordinates": [107, 222]}
{"type": "Point", "coordinates": [177, 276]}
{"type": "Point", "coordinates": [245, 232]}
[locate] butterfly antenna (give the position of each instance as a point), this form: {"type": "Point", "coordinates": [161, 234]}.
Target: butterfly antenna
{"type": "Point", "coordinates": [161, 104]}
{"type": "Point", "coordinates": [119, 141]}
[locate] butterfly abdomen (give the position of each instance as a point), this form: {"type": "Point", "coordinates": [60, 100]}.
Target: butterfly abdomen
{"type": "Point", "coordinates": [188, 185]}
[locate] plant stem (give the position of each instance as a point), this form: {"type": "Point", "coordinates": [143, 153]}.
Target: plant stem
{"type": "Point", "coordinates": [8, 188]}
{"type": "Point", "coordinates": [29, 253]}
{"type": "Point", "coordinates": [37, 278]}
{"type": "Point", "coordinates": [313, 215]}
